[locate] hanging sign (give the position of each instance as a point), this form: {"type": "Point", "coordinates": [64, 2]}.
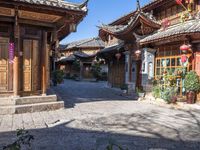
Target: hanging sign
{"type": "Point", "coordinates": [11, 53]}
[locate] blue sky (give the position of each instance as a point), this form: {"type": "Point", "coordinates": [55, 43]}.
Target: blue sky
{"type": "Point", "coordinates": [100, 11]}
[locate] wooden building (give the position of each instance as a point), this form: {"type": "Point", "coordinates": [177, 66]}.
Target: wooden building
{"type": "Point", "coordinates": [29, 31]}
{"type": "Point", "coordinates": [84, 52]}
{"type": "Point", "coordinates": [127, 30]}
{"type": "Point", "coordinates": [157, 30]}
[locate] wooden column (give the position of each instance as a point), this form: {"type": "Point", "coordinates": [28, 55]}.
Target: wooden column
{"type": "Point", "coordinates": [16, 57]}
{"type": "Point", "coordinates": [44, 58]}
{"type": "Point", "coordinates": [81, 70]}
{"type": "Point", "coordinates": [130, 65]}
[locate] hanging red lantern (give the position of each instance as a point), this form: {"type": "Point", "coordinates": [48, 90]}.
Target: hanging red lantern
{"type": "Point", "coordinates": [184, 48]}
{"type": "Point", "coordinates": [184, 58]}
{"type": "Point", "coordinates": [118, 56]}
{"type": "Point", "coordinates": [179, 2]}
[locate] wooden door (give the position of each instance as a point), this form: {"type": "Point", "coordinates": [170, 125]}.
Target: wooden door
{"type": "Point", "coordinates": [4, 44]}
{"type": "Point", "coordinates": [31, 79]}
{"type": "Point", "coordinates": [27, 55]}
{"type": "Point", "coordinates": [35, 66]}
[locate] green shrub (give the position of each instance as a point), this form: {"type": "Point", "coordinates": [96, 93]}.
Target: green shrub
{"type": "Point", "coordinates": [76, 65]}
{"type": "Point", "coordinates": [140, 90]}
{"type": "Point", "coordinates": [96, 71]}
{"type": "Point", "coordinates": [124, 87]}
{"type": "Point", "coordinates": [58, 76]}
{"type": "Point", "coordinates": [157, 91]}
{"type": "Point", "coordinates": [168, 93]}
{"type": "Point", "coordinates": [192, 82]}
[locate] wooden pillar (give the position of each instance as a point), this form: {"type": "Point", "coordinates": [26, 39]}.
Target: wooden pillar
{"type": "Point", "coordinates": [44, 58]}
{"type": "Point", "coordinates": [16, 56]}
{"type": "Point", "coordinates": [81, 70]}
{"type": "Point", "coordinates": [130, 65]}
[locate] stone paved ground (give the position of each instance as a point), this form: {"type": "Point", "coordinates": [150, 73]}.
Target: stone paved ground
{"type": "Point", "coordinates": [95, 114]}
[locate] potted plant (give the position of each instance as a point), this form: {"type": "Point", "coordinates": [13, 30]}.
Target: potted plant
{"type": "Point", "coordinates": [192, 86]}
{"type": "Point", "coordinates": [124, 88]}
{"type": "Point", "coordinates": [140, 91]}
{"type": "Point", "coordinates": [168, 94]}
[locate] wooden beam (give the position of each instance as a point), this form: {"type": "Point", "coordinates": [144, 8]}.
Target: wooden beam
{"type": "Point", "coordinates": [7, 19]}
{"type": "Point", "coordinates": [36, 23]}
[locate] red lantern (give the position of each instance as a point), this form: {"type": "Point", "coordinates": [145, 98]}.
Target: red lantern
{"type": "Point", "coordinates": [118, 56]}
{"type": "Point", "coordinates": [179, 2]}
{"type": "Point", "coordinates": [184, 48]}
{"type": "Point", "coordinates": [183, 58]}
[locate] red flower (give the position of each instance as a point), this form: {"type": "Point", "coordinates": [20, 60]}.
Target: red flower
{"type": "Point", "coordinates": [179, 2]}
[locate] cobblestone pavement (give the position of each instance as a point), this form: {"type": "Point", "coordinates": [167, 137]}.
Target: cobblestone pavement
{"type": "Point", "coordinates": [95, 114]}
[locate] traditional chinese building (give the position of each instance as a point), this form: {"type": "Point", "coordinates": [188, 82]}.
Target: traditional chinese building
{"type": "Point", "coordinates": [29, 31]}
{"type": "Point", "coordinates": [122, 37]}
{"type": "Point", "coordinates": [83, 52]}
{"type": "Point", "coordinates": [156, 31]}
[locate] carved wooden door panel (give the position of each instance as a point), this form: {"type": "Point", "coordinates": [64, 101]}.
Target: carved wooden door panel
{"type": "Point", "coordinates": [27, 62]}
{"type": "Point", "coordinates": [4, 44]}
{"type": "Point", "coordinates": [197, 65]}
{"type": "Point", "coordinates": [31, 76]}
{"type": "Point", "coordinates": [35, 66]}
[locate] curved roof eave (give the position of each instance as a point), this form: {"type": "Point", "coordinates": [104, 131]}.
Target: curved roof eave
{"type": "Point", "coordinates": [122, 29]}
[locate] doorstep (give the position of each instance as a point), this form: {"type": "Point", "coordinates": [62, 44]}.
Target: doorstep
{"type": "Point", "coordinates": [29, 104]}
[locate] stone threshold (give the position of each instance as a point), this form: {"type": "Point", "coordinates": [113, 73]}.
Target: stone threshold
{"type": "Point", "coordinates": [18, 105]}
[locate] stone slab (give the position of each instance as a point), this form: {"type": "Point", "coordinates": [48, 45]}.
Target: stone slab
{"type": "Point", "coordinates": [35, 99]}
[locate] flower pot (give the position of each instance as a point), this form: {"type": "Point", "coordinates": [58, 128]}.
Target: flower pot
{"type": "Point", "coordinates": [191, 97]}
{"type": "Point", "coordinates": [141, 94]}
{"type": "Point", "coordinates": [124, 91]}
{"type": "Point", "coordinates": [174, 100]}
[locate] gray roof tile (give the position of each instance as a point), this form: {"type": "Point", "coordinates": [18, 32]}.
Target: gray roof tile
{"type": "Point", "coordinates": [116, 47]}
{"type": "Point", "coordinates": [57, 3]}
{"type": "Point", "coordinates": [91, 42]}
{"type": "Point", "coordinates": [187, 27]}
{"type": "Point", "coordinates": [120, 28]}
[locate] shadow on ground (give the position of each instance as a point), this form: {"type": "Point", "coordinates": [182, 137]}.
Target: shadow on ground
{"type": "Point", "coordinates": [132, 131]}
{"type": "Point", "coordinates": [73, 92]}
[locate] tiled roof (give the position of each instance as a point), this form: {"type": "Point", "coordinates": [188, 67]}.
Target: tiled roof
{"type": "Point", "coordinates": [83, 55]}
{"type": "Point", "coordinates": [69, 58]}
{"type": "Point", "coordinates": [115, 47]}
{"type": "Point", "coordinates": [92, 42]}
{"type": "Point", "coordinates": [116, 29]}
{"type": "Point", "coordinates": [57, 3]}
{"type": "Point", "coordinates": [188, 27]}
{"type": "Point", "coordinates": [150, 3]}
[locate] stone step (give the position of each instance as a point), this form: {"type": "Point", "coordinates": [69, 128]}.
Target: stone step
{"type": "Point", "coordinates": [35, 99]}
{"type": "Point", "coordinates": [30, 108]}
{"type": "Point", "coordinates": [6, 101]}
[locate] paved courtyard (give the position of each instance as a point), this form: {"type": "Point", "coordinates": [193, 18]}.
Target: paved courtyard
{"type": "Point", "coordinates": [96, 114]}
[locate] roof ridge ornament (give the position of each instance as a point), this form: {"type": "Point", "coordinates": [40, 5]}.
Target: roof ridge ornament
{"type": "Point", "coordinates": [84, 4]}
{"type": "Point", "coordinates": [138, 6]}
